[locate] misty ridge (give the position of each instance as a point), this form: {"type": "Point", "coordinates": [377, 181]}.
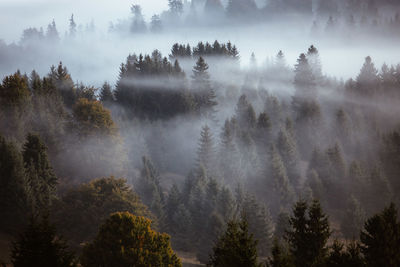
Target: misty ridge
{"type": "Point", "coordinates": [204, 124]}
{"type": "Point", "coordinates": [340, 28]}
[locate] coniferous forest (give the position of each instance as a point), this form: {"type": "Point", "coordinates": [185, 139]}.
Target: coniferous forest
{"type": "Point", "coordinates": [118, 151]}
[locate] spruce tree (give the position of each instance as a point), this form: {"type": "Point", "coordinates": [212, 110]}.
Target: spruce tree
{"type": "Point", "coordinates": [15, 196]}
{"type": "Point", "coordinates": [278, 183]}
{"type": "Point", "coordinates": [64, 84]}
{"type": "Point", "coordinates": [279, 257]}
{"type": "Point", "coordinates": [205, 96]}
{"type": "Point", "coordinates": [380, 239]}
{"type": "Point", "coordinates": [72, 27]}
{"type": "Point", "coordinates": [297, 235]}
{"type": "Point", "coordinates": [206, 152]}
{"type": "Point", "coordinates": [260, 223]}
{"type": "Point", "coordinates": [235, 248]}
{"type": "Point", "coordinates": [287, 148]}
{"type": "Point", "coordinates": [309, 234]}
{"type": "Point", "coordinates": [41, 177]}
{"type": "Point", "coordinates": [353, 219]}
{"type": "Point", "coordinates": [318, 234]}
{"type": "Point", "coordinates": [39, 245]}
{"type": "Point", "coordinates": [138, 25]}
{"type": "Point", "coordinates": [149, 188]}
{"type": "Point", "coordinates": [367, 80]}
{"type": "Point", "coordinates": [106, 94]}
{"type": "Point", "coordinates": [52, 32]}
{"type": "Point", "coordinates": [315, 64]}
{"type": "Point", "coordinates": [229, 157]}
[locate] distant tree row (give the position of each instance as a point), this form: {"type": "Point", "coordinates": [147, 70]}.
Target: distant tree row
{"type": "Point", "coordinates": [204, 50]}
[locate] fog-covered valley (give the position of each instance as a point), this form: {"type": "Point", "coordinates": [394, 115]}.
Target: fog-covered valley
{"type": "Point", "coordinates": [274, 122]}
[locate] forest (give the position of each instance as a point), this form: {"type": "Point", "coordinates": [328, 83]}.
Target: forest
{"type": "Point", "coordinates": [195, 157]}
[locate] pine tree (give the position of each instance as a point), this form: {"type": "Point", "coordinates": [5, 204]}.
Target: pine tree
{"type": "Point", "coordinates": [353, 219]}
{"type": "Point", "coordinates": [282, 193]}
{"type": "Point", "coordinates": [245, 114]}
{"type": "Point", "coordinates": [259, 222]}
{"type": "Point", "coordinates": [304, 79]}
{"type": "Point", "coordinates": [172, 202]}
{"type": "Point", "coordinates": [205, 95]}
{"type": "Point", "coordinates": [39, 245]}
{"type": "Point", "coordinates": [175, 7]}
{"type": "Point", "coordinates": [106, 94]}
{"type": "Point", "coordinates": [206, 152]}
{"type": "Point", "coordinates": [14, 188]}
{"type": "Point", "coordinates": [52, 33]}
{"type": "Point", "coordinates": [367, 80]}
{"type": "Point", "coordinates": [64, 84]}
{"type": "Point", "coordinates": [315, 64]}
{"type": "Point", "coordinates": [287, 148]}
{"type": "Point", "coordinates": [41, 177]}
{"type": "Point", "coordinates": [213, 229]}
{"type": "Point", "coordinates": [138, 24]}
{"type": "Point", "coordinates": [156, 24]}
{"type": "Point", "coordinates": [149, 188]}
{"type": "Point", "coordinates": [380, 239]}
{"type": "Point", "coordinates": [229, 157]}
{"type": "Point", "coordinates": [297, 236]}
{"type": "Point", "coordinates": [235, 248]}
{"type": "Point", "coordinates": [279, 257]}
{"type": "Point", "coordinates": [15, 101]}
{"type": "Point", "coordinates": [72, 27]}
{"type": "Point", "coordinates": [309, 234]}
{"type": "Point", "coordinates": [318, 234]}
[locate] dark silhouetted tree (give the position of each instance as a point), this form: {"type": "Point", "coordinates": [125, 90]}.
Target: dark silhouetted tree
{"type": "Point", "coordinates": [39, 245]}
{"type": "Point", "coordinates": [235, 248]}
{"type": "Point", "coordinates": [380, 239]}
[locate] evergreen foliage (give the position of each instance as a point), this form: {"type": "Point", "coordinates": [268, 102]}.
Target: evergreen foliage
{"type": "Point", "coordinates": [127, 240]}
{"type": "Point", "coordinates": [39, 245]}
{"type": "Point", "coordinates": [236, 247]}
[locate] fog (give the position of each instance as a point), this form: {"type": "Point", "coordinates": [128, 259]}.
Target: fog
{"type": "Point", "coordinates": [100, 52]}
{"type": "Point", "coordinates": [260, 102]}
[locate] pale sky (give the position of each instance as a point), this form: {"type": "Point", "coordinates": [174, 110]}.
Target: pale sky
{"type": "Point", "coordinates": [16, 15]}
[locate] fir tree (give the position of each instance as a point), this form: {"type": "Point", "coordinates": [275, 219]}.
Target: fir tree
{"type": "Point", "coordinates": [367, 80]}
{"type": "Point", "coordinates": [278, 182]}
{"type": "Point", "coordinates": [156, 24]}
{"type": "Point", "coordinates": [380, 239]}
{"type": "Point", "coordinates": [39, 245]}
{"type": "Point", "coordinates": [175, 7]}
{"type": "Point", "coordinates": [14, 188]}
{"type": "Point", "coordinates": [149, 188]}
{"type": "Point", "coordinates": [205, 94]}
{"type": "Point", "coordinates": [72, 27]}
{"type": "Point", "coordinates": [138, 24]}
{"type": "Point", "coordinates": [235, 248]}
{"type": "Point", "coordinates": [52, 33]}
{"type": "Point", "coordinates": [309, 234]}
{"type": "Point", "coordinates": [106, 94]}
{"type": "Point", "coordinates": [315, 64]}
{"type": "Point", "coordinates": [41, 177]}
{"type": "Point", "coordinates": [304, 79]}
{"type": "Point", "coordinates": [279, 257]}
{"type": "Point", "coordinates": [259, 222]}
{"type": "Point", "coordinates": [206, 151]}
